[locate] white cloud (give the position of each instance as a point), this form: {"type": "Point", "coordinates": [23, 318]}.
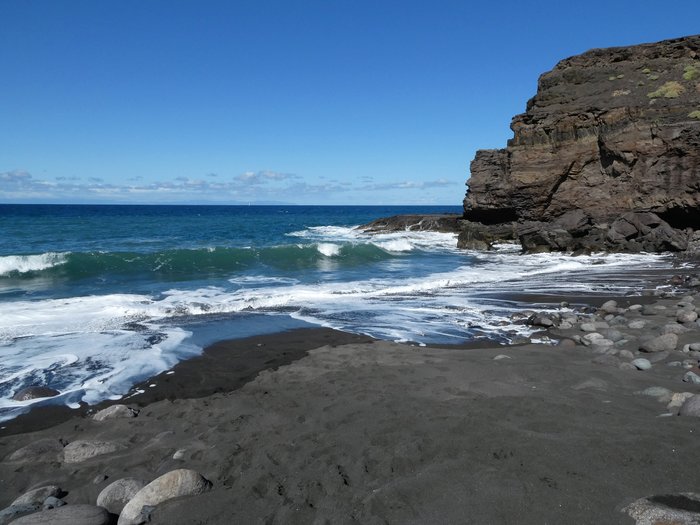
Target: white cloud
{"type": "Point", "coordinates": [263, 177]}
{"type": "Point", "coordinates": [408, 185]}
{"type": "Point", "coordinates": [20, 185]}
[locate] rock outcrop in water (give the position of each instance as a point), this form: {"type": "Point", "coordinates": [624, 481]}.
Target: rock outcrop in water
{"type": "Point", "coordinates": [606, 156]}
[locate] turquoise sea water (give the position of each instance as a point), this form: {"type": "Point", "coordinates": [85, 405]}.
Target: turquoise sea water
{"type": "Point", "coordinates": [96, 298]}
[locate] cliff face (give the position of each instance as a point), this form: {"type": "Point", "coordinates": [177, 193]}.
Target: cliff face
{"type": "Point", "coordinates": [609, 132]}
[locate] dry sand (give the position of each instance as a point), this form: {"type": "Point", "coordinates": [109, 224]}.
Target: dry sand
{"type": "Point", "coordinates": [363, 431]}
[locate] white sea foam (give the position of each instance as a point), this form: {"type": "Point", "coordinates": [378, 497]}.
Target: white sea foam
{"type": "Point", "coordinates": [30, 263]}
{"type": "Point", "coordinates": [252, 280]}
{"type": "Point", "coordinates": [328, 249]}
{"type": "Point", "coordinates": [392, 241]}
{"type": "Point", "coordinates": [396, 245]}
{"type": "Point", "coordinates": [95, 347]}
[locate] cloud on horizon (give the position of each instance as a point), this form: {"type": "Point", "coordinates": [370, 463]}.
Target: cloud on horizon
{"type": "Point", "coordinates": [20, 185]}
{"type": "Point", "coordinates": [263, 177]}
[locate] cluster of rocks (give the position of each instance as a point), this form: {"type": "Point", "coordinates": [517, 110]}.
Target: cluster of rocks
{"type": "Point", "coordinates": [577, 232]}
{"type": "Point", "coordinates": [126, 501]}
{"type": "Point", "coordinates": [665, 333]}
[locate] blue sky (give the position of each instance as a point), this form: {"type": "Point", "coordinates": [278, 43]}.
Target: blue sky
{"type": "Point", "coordinates": [313, 102]}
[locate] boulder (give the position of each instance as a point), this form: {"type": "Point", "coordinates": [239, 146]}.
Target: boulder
{"type": "Point", "coordinates": [115, 412]}
{"type": "Point", "coordinates": [666, 509]}
{"type": "Point", "coordinates": [34, 392]}
{"type": "Point", "coordinates": [68, 515]}
{"type": "Point", "coordinates": [641, 363]}
{"type": "Point", "coordinates": [591, 338]}
{"type": "Point", "coordinates": [609, 307]}
{"type": "Point", "coordinates": [538, 237]}
{"type": "Point", "coordinates": [42, 450]}
{"type": "Point", "coordinates": [82, 450]}
{"type": "Point", "coordinates": [674, 328]}
{"type": "Point", "coordinates": [174, 484]}
{"type": "Point", "coordinates": [116, 495]}
{"type": "Point", "coordinates": [613, 335]}
{"type": "Point", "coordinates": [686, 316]}
{"type": "Point", "coordinates": [37, 496]}
{"type": "Point", "coordinates": [7, 515]}
{"type": "Point", "coordinates": [691, 377]}
{"type": "Point", "coordinates": [544, 320]}
{"type": "Point", "coordinates": [625, 354]}
{"type": "Point", "coordinates": [691, 407]}
{"type": "Point", "coordinates": [661, 343]}
{"type": "Point", "coordinates": [677, 400]}
{"type": "Point", "coordinates": [474, 236]}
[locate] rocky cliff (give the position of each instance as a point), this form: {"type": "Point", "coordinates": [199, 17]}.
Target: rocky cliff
{"type": "Point", "coordinates": [607, 155]}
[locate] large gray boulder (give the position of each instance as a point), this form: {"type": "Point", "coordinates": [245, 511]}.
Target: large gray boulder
{"type": "Point", "coordinates": [68, 515]}
{"type": "Point", "coordinates": [686, 316]}
{"type": "Point", "coordinates": [691, 407]}
{"type": "Point", "coordinates": [14, 511]}
{"type": "Point", "coordinates": [116, 495]}
{"type": "Point", "coordinates": [174, 484]}
{"type": "Point", "coordinates": [37, 496]}
{"type": "Point", "coordinates": [666, 509]}
{"type": "Point", "coordinates": [82, 450]}
{"type": "Point", "coordinates": [661, 343]}
{"type": "Point", "coordinates": [41, 450]}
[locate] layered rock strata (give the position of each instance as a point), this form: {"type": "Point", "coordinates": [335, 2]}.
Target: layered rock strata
{"type": "Point", "coordinates": [606, 156]}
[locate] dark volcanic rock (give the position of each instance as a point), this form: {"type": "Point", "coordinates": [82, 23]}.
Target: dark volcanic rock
{"type": "Point", "coordinates": [34, 392]}
{"type": "Point", "coordinates": [440, 223]}
{"type": "Point", "coordinates": [478, 236]}
{"type": "Point", "coordinates": [609, 132]}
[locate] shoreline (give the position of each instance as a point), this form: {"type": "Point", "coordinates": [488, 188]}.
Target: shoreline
{"type": "Point", "coordinates": [316, 424]}
{"type": "Point", "coordinates": [228, 364]}
{"type": "Point", "coordinates": [224, 366]}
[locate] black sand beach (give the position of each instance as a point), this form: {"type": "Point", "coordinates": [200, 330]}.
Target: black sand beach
{"type": "Point", "coordinates": [319, 426]}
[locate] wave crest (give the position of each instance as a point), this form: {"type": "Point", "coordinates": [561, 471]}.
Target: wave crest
{"type": "Point", "coordinates": [21, 264]}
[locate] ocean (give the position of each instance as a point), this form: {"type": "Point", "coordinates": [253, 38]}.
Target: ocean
{"type": "Point", "coordinates": [94, 299]}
